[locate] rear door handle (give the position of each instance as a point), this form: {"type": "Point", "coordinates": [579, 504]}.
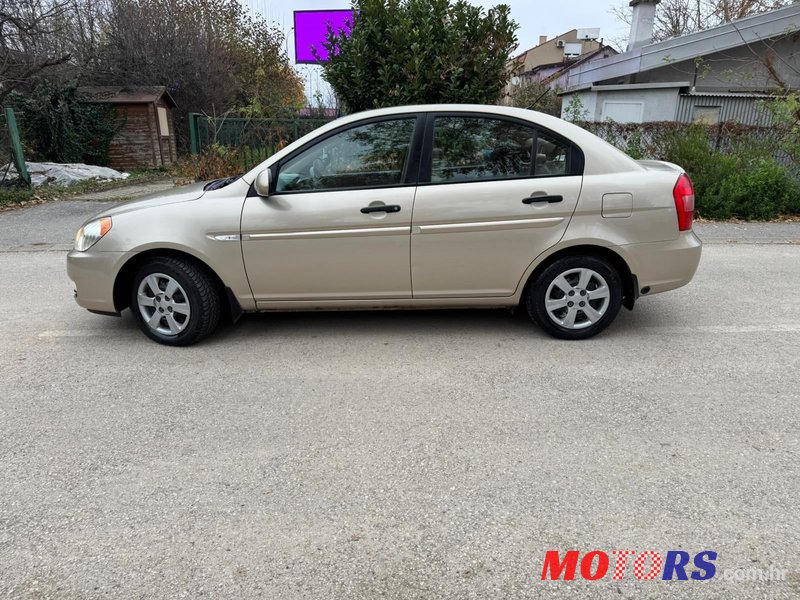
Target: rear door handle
{"type": "Point", "coordinates": [550, 199]}
{"type": "Point", "coordinates": [389, 208]}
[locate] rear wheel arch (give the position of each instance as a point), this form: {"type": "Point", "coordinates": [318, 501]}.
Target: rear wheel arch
{"type": "Point", "coordinates": [629, 284]}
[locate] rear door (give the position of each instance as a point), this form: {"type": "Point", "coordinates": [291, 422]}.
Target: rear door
{"type": "Point", "coordinates": [494, 193]}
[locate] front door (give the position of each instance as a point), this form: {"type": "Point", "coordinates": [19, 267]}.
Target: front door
{"type": "Point", "coordinates": [497, 193]}
{"type": "Point", "coordinates": [337, 225]}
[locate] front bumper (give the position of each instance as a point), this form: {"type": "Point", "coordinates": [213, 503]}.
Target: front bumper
{"type": "Point", "coordinates": [93, 275]}
{"type": "Point", "coordinates": [664, 266]}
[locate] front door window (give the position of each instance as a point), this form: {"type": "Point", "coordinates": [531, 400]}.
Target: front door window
{"type": "Point", "coordinates": [368, 156]}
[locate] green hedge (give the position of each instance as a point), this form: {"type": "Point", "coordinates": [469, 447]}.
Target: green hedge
{"type": "Point", "coordinates": [56, 126]}
{"type": "Point", "coordinates": [742, 181]}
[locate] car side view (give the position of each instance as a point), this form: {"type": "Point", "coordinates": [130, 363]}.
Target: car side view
{"type": "Point", "coordinates": [410, 207]}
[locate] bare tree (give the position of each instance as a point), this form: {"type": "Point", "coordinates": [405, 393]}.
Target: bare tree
{"type": "Point", "coordinates": [679, 17]}
{"type": "Point", "coordinates": [26, 30]}
{"type": "Point", "coordinates": [211, 54]}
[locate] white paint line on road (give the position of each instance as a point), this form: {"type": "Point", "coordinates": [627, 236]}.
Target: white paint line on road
{"type": "Point", "coordinates": [69, 333]}
{"type": "Point", "coordinates": [37, 248]}
{"type": "Point", "coordinates": [787, 328]}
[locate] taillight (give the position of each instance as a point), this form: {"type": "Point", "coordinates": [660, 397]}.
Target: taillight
{"type": "Point", "coordinates": [684, 202]}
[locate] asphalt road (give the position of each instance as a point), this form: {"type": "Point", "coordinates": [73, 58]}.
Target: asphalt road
{"type": "Point", "coordinates": [398, 454]}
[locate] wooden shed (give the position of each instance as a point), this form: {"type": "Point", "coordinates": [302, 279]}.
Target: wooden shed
{"type": "Point", "coordinates": [147, 136]}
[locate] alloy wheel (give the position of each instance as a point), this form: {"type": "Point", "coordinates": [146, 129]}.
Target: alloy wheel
{"type": "Point", "coordinates": [577, 298]}
{"type": "Point", "coordinates": [163, 304]}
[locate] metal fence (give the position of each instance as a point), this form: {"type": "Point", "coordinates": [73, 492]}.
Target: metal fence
{"type": "Point", "coordinates": [652, 140]}
{"type": "Point", "coordinates": [254, 139]}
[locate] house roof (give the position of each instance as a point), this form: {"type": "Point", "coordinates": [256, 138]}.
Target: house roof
{"type": "Point", "coordinates": [109, 94]}
{"type": "Point", "coordinates": [578, 62]}
{"type": "Point", "coordinates": [724, 37]}
{"type": "Point", "coordinates": [625, 87]}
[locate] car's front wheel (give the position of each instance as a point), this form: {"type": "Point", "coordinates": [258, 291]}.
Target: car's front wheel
{"type": "Point", "coordinates": [576, 297]}
{"type": "Point", "coordinates": [175, 301]}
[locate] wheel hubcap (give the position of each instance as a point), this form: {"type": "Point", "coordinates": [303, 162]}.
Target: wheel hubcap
{"type": "Point", "coordinates": [577, 298]}
{"type": "Point", "coordinates": [163, 304]}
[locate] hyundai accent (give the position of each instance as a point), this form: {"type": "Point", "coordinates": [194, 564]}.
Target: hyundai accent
{"type": "Point", "coordinates": [435, 206]}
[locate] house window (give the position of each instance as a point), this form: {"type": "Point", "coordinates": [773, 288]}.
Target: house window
{"type": "Point", "coordinates": [163, 122]}
{"type": "Point", "coordinates": [623, 112]}
{"type": "Point", "coordinates": [708, 115]}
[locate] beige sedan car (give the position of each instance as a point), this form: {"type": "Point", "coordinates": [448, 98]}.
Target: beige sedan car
{"type": "Point", "coordinates": [410, 207]}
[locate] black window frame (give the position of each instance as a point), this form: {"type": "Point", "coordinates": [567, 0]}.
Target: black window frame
{"type": "Point", "coordinates": [575, 157]}
{"type": "Point", "coordinates": [410, 169]}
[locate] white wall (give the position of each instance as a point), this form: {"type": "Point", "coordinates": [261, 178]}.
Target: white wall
{"type": "Point", "coordinates": [627, 106]}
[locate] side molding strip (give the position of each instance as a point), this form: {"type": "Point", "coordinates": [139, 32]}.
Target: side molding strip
{"type": "Point", "coordinates": [489, 225]}
{"type": "Point", "coordinates": [327, 233]}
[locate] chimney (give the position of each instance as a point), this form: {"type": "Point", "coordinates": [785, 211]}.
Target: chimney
{"type": "Point", "coordinates": [642, 21]}
{"type": "Point", "coordinates": [542, 39]}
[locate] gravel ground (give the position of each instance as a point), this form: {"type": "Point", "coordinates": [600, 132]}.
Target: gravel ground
{"type": "Point", "coordinates": [434, 454]}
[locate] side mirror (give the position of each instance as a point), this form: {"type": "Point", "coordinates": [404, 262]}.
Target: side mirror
{"type": "Point", "coordinates": [261, 183]}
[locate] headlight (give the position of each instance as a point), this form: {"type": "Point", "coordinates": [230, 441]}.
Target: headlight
{"type": "Point", "coordinates": [90, 234]}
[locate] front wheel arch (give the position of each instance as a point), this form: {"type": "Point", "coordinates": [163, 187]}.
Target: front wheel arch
{"type": "Point", "coordinates": [629, 281]}
{"type": "Point", "coordinates": [124, 279]}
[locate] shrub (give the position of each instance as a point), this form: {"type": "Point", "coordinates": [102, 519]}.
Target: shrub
{"type": "Point", "coordinates": [535, 95]}
{"type": "Point", "coordinates": [214, 162]}
{"type": "Point", "coordinates": [763, 191]}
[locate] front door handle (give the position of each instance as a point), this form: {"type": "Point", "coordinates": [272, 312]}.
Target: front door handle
{"type": "Point", "coordinates": [389, 208]}
{"type": "Point", "coordinates": [550, 199]}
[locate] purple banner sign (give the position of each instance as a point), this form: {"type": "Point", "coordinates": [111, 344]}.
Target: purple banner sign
{"type": "Point", "coordinates": [311, 29]}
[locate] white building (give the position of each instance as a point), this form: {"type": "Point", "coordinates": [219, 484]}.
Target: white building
{"type": "Point", "coordinates": [710, 76]}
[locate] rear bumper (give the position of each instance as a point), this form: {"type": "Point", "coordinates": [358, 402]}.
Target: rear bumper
{"type": "Point", "coordinates": [93, 275]}
{"type": "Point", "coordinates": [664, 266]}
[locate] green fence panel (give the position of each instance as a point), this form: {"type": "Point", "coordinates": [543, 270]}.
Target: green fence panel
{"type": "Point", "coordinates": [256, 139]}
{"type": "Point", "coordinates": [16, 145]}
{"type": "Point", "coordinates": [194, 140]}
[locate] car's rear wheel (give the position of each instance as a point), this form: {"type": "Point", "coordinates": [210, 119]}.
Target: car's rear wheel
{"type": "Point", "coordinates": [175, 301]}
{"type": "Point", "coordinates": [576, 297]}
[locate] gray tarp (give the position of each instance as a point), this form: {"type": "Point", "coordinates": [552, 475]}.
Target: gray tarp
{"type": "Point", "coordinates": [63, 174]}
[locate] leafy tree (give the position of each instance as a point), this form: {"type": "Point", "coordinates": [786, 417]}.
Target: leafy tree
{"type": "Point", "coordinates": [420, 51]}
{"type": "Point", "coordinates": [211, 54]}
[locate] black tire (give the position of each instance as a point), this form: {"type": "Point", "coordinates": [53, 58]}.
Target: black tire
{"type": "Point", "coordinates": [202, 295]}
{"type": "Point", "coordinates": [537, 291]}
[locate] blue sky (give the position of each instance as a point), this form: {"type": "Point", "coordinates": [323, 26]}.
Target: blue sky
{"type": "Point", "coordinates": [535, 17]}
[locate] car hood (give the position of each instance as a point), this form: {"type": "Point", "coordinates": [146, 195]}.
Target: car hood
{"type": "Point", "coordinates": [178, 194]}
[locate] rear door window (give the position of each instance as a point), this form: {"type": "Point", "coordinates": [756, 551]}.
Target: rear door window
{"type": "Point", "coordinates": [484, 149]}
